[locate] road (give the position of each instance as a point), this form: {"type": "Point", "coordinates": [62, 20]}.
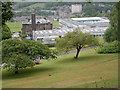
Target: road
{"type": "Point", "coordinates": [74, 51]}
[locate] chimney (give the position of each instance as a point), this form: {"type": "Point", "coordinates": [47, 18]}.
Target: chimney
{"type": "Point", "coordinates": [33, 28]}
{"type": "Point", "coordinates": [33, 18]}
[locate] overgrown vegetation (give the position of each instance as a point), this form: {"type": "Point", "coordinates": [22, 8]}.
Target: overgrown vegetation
{"type": "Point", "coordinates": [112, 47]}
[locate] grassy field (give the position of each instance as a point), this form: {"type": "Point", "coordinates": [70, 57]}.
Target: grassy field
{"type": "Point", "coordinates": [55, 24]}
{"type": "Point", "coordinates": [101, 40]}
{"type": "Point", "coordinates": [90, 70]}
{"type": "Point", "coordinates": [15, 26]}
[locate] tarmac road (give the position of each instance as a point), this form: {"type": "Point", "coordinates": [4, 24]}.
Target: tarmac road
{"type": "Point", "coordinates": [74, 51]}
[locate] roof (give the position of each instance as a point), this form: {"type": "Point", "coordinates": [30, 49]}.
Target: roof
{"type": "Point", "coordinates": [37, 21]}
{"type": "Point", "coordinates": [89, 19]}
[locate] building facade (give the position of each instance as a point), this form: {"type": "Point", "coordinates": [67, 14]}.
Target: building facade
{"type": "Point", "coordinates": [26, 28]}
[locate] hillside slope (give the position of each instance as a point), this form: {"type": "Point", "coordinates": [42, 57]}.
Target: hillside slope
{"type": "Point", "coordinates": [90, 70]}
{"type": "Point", "coordinates": [25, 8]}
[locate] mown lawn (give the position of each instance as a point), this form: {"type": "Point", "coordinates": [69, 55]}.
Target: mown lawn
{"type": "Point", "coordinates": [17, 26]}
{"type": "Point", "coordinates": [90, 70]}
{"type": "Point", "coordinates": [14, 26]}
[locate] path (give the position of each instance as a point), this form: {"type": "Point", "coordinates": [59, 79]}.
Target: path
{"type": "Point", "coordinates": [74, 51]}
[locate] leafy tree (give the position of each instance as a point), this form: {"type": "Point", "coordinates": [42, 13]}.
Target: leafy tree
{"type": "Point", "coordinates": [21, 54]}
{"type": "Point", "coordinates": [118, 28]}
{"type": "Point", "coordinates": [6, 33]}
{"type": "Point", "coordinates": [76, 39]}
{"type": "Point", "coordinates": [113, 31]}
{"type": "Point", "coordinates": [7, 13]}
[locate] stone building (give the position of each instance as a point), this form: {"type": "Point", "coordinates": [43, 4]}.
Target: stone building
{"type": "Point", "coordinates": [39, 24]}
{"type": "Point", "coordinates": [26, 28]}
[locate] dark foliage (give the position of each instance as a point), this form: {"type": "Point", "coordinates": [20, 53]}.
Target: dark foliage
{"type": "Point", "coordinates": [112, 47]}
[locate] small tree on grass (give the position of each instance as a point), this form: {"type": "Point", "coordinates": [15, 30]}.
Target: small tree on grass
{"type": "Point", "coordinates": [76, 39]}
{"type": "Point", "coordinates": [21, 54]}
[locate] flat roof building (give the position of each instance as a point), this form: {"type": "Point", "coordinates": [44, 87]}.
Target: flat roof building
{"type": "Point", "coordinates": [87, 19]}
{"type": "Point", "coordinates": [97, 28]}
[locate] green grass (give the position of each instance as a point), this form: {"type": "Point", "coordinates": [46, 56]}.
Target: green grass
{"type": "Point", "coordinates": [15, 26]}
{"type": "Point", "coordinates": [67, 72]}
{"type": "Point", "coordinates": [53, 48]}
{"type": "Point", "coordinates": [55, 24]}
{"type": "Point", "coordinates": [101, 40]}
{"type": "Point", "coordinates": [37, 5]}
{"type": "Point", "coordinates": [100, 84]}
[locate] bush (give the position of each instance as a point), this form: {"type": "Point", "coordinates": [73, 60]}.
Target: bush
{"type": "Point", "coordinates": [50, 45]}
{"type": "Point", "coordinates": [6, 33]}
{"type": "Point", "coordinates": [112, 47]}
{"type": "Point", "coordinates": [22, 35]}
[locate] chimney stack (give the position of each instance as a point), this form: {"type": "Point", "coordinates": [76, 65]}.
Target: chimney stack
{"type": "Point", "coordinates": [33, 28]}
{"type": "Point", "coordinates": [33, 18]}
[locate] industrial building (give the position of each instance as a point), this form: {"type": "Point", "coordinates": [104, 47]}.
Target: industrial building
{"type": "Point", "coordinates": [68, 25]}
{"type": "Point", "coordinates": [40, 24]}
{"type": "Point", "coordinates": [93, 25]}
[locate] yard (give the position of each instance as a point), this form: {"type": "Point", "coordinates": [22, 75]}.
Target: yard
{"type": "Point", "coordinates": [90, 70]}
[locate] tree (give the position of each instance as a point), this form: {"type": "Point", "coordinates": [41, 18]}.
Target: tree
{"type": "Point", "coordinates": [118, 28]}
{"type": "Point", "coordinates": [6, 33]}
{"type": "Point", "coordinates": [22, 54]}
{"type": "Point", "coordinates": [76, 39]}
{"type": "Point", "coordinates": [7, 13]}
{"type": "Point", "coordinates": [113, 31]}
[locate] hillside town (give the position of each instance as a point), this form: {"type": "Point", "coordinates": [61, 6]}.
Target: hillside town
{"type": "Point", "coordinates": [59, 45]}
{"type": "Point", "coordinates": [41, 28]}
